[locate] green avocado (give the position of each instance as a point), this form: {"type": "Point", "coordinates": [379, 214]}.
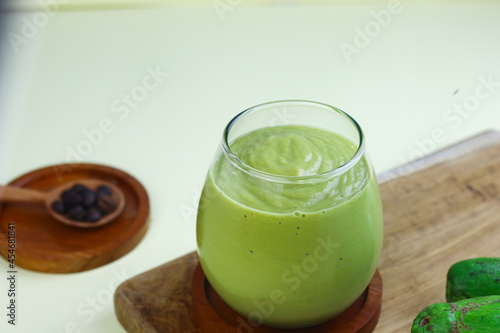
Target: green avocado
{"type": "Point", "coordinates": [475, 315]}
{"type": "Point", "coordinates": [473, 278]}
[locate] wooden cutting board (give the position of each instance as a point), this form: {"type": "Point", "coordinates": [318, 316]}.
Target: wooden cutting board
{"type": "Point", "coordinates": [437, 211]}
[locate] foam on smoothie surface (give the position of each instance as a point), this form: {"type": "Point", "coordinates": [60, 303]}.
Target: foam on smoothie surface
{"type": "Point", "coordinates": [291, 151]}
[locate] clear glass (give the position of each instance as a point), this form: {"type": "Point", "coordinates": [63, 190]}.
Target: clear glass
{"type": "Point", "coordinates": [297, 247]}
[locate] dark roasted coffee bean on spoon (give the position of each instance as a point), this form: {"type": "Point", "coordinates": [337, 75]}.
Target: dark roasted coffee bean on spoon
{"type": "Point", "coordinates": [75, 212]}
{"type": "Point", "coordinates": [80, 189]}
{"type": "Point", "coordinates": [89, 198]}
{"type": "Point", "coordinates": [93, 215]}
{"type": "Point", "coordinates": [106, 204]}
{"type": "Point", "coordinates": [70, 198]}
{"type": "Point", "coordinates": [104, 190]}
{"type": "Point", "coordinates": [58, 207]}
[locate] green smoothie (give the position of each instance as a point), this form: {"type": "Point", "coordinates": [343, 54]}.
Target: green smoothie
{"type": "Point", "coordinates": [290, 254]}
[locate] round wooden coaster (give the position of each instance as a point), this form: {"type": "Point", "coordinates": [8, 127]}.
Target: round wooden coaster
{"type": "Point", "coordinates": [214, 315]}
{"type": "Point", "coordinates": [46, 245]}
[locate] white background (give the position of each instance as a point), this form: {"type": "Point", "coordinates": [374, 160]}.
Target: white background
{"type": "Point", "coordinates": [62, 78]}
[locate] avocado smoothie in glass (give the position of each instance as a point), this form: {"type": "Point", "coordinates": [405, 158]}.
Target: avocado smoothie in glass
{"type": "Point", "coordinates": [289, 225]}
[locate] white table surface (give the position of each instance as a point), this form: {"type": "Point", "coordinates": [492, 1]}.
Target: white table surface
{"type": "Point", "coordinates": [406, 88]}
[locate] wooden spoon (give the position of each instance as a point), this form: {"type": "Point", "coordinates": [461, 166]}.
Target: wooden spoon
{"type": "Point", "coordinates": [18, 194]}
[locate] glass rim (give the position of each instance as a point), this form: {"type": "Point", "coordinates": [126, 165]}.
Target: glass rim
{"type": "Point", "coordinates": [235, 161]}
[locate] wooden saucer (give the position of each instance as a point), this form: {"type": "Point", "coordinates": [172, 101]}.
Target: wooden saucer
{"type": "Point", "coordinates": [46, 245]}
{"type": "Point", "coordinates": [213, 315]}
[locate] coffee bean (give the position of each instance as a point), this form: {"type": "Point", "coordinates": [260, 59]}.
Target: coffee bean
{"type": "Point", "coordinates": [75, 212]}
{"type": "Point", "coordinates": [79, 188]}
{"type": "Point", "coordinates": [106, 204]}
{"type": "Point", "coordinates": [58, 207]}
{"type": "Point", "coordinates": [70, 198]}
{"type": "Point", "coordinates": [93, 215]}
{"type": "Point", "coordinates": [104, 190]}
{"type": "Point", "coordinates": [89, 198]}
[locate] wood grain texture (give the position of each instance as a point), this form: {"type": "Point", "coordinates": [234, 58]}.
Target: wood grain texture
{"type": "Point", "coordinates": [46, 245]}
{"type": "Point", "coordinates": [159, 300]}
{"type": "Point", "coordinates": [446, 211]}
{"type": "Point", "coordinates": [437, 211]}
